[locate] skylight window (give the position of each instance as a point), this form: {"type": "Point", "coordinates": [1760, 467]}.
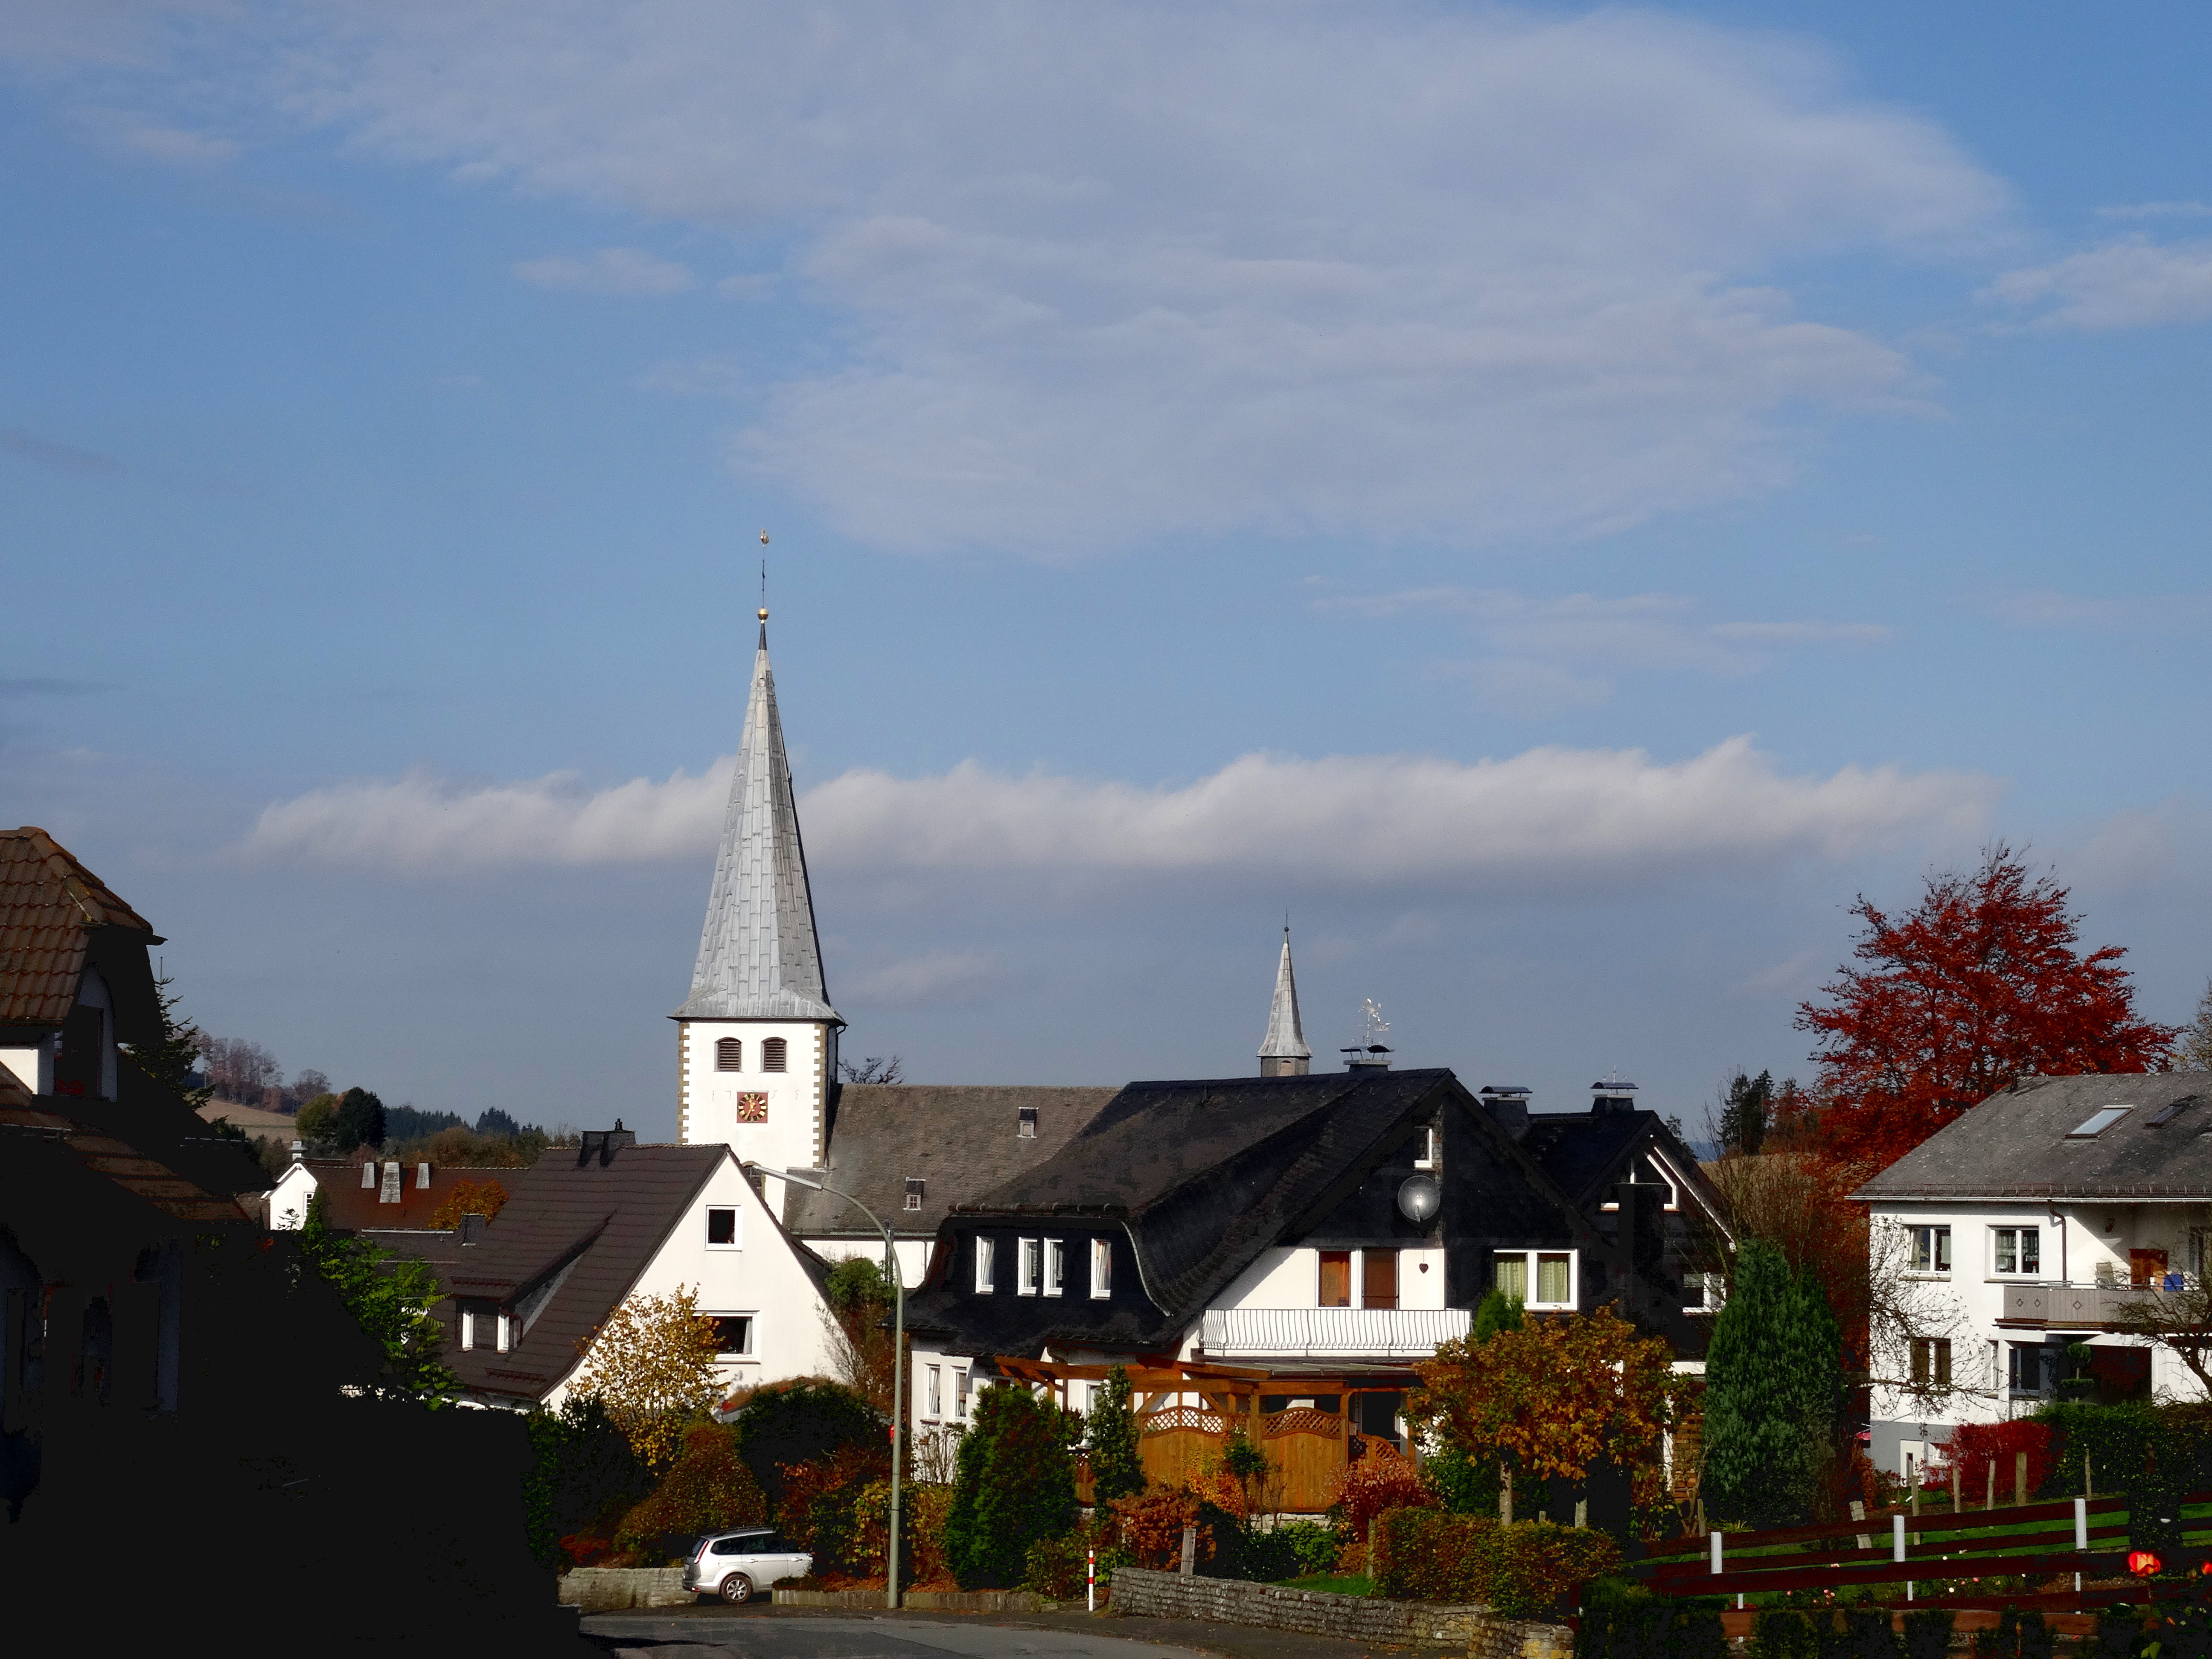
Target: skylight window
{"type": "Point", "coordinates": [2170, 1111]}
{"type": "Point", "coordinates": [2097, 1121]}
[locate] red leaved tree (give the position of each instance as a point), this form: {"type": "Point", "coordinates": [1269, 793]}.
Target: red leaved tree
{"type": "Point", "coordinates": [1978, 985]}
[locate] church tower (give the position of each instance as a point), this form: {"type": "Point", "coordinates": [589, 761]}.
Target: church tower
{"type": "Point", "coordinates": [756, 1040]}
{"type": "Point", "coordinates": [1285, 1053]}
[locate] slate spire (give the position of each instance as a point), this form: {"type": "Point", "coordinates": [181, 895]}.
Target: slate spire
{"type": "Point", "coordinates": [1285, 1053]}
{"type": "Point", "coordinates": [759, 955]}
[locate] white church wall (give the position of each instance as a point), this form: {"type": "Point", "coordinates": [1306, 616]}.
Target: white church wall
{"type": "Point", "coordinates": [913, 1255]}
{"type": "Point", "coordinates": [709, 1098]}
{"type": "Point", "coordinates": [759, 1276]}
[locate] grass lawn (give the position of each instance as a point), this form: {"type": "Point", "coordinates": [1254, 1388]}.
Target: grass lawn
{"type": "Point", "coordinates": [1335, 1584]}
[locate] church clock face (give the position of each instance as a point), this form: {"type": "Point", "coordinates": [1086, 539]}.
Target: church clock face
{"type": "Point", "coordinates": [752, 1108]}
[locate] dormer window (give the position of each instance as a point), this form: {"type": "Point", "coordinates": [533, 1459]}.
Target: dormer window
{"type": "Point", "coordinates": [985, 1264]}
{"type": "Point", "coordinates": [1026, 1127]}
{"type": "Point", "coordinates": [914, 1191]}
{"type": "Point", "coordinates": [772, 1054]}
{"type": "Point", "coordinates": [729, 1055]}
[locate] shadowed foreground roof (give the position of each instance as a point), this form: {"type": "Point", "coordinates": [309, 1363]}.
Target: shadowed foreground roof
{"type": "Point", "coordinates": [961, 1140]}
{"type": "Point", "coordinates": [49, 903]}
{"type": "Point", "coordinates": [2019, 1143]}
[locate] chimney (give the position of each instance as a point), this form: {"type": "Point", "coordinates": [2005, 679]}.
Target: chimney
{"type": "Point", "coordinates": [1610, 1097]}
{"type": "Point", "coordinates": [1359, 1059]}
{"type": "Point", "coordinates": [299, 1152]}
{"type": "Point", "coordinates": [1508, 1105]}
{"type": "Point", "coordinates": [389, 1192]}
{"type": "Point", "coordinates": [368, 1176]}
{"type": "Point", "coordinates": [602, 1144]}
{"type": "Point", "coordinates": [422, 1178]}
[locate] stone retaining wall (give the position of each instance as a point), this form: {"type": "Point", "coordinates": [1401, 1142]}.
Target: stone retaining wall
{"type": "Point", "coordinates": [1275, 1606]}
{"type": "Point", "coordinates": [919, 1600]}
{"type": "Point", "coordinates": [608, 1590]}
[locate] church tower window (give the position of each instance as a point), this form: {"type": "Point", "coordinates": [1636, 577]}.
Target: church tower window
{"type": "Point", "coordinates": [772, 1054]}
{"type": "Point", "coordinates": [729, 1055]}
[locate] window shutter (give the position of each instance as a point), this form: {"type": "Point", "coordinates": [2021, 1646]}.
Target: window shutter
{"type": "Point", "coordinates": [729, 1055]}
{"type": "Point", "coordinates": [772, 1054]}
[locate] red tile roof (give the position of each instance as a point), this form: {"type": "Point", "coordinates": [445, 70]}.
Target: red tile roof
{"type": "Point", "coordinates": [349, 1205]}
{"type": "Point", "coordinates": [48, 903]}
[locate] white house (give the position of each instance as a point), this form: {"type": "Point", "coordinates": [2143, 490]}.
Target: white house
{"type": "Point", "coordinates": [2021, 1228]}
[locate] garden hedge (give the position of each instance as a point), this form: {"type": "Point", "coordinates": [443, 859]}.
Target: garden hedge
{"type": "Point", "coordinates": [1522, 1570]}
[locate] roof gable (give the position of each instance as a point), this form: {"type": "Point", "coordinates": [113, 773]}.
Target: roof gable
{"type": "Point", "coordinates": [51, 908]}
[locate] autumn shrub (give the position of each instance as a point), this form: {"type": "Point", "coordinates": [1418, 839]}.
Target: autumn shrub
{"type": "Point", "coordinates": [1521, 1570]}
{"type": "Point", "coordinates": [1974, 1448]}
{"type": "Point", "coordinates": [1148, 1527]}
{"type": "Point", "coordinates": [707, 1487]}
{"type": "Point", "coordinates": [795, 1422]}
{"type": "Point", "coordinates": [1059, 1568]}
{"type": "Point", "coordinates": [1361, 1491]}
{"type": "Point", "coordinates": [823, 1512]}
{"type": "Point", "coordinates": [1015, 1483]}
{"type": "Point", "coordinates": [927, 1507]}
{"type": "Point", "coordinates": [483, 1198]}
{"type": "Point", "coordinates": [651, 1365]}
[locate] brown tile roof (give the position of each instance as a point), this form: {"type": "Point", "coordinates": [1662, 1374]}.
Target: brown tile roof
{"type": "Point", "coordinates": [609, 1218]}
{"type": "Point", "coordinates": [24, 1113]}
{"type": "Point", "coordinates": [48, 903]}
{"type": "Point", "coordinates": [351, 1206]}
{"type": "Point", "coordinates": [960, 1139]}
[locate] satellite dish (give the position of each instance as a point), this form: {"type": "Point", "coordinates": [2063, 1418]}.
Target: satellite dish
{"type": "Point", "coordinates": [1418, 1197]}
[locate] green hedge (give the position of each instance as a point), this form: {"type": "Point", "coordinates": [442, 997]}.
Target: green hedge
{"type": "Point", "coordinates": [1527, 1568]}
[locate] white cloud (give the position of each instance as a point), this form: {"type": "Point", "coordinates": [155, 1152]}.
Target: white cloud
{"type": "Point", "coordinates": [1116, 273]}
{"type": "Point", "coordinates": [1550, 816]}
{"type": "Point", "coordinates": [624, 270]}
{"type": "Point", "coordinates": [931, 979]}
{"type": "Point", "coordinates": [2135, 283]}
{"type": "Point", "coordinates": [1544, 653]}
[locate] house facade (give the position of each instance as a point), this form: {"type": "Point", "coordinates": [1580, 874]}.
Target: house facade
{"type": "Point", "coordinates": [2026, 1225]}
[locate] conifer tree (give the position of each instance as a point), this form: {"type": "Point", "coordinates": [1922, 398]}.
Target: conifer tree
{"type": "Point", "coordinates": [1016, 1485]}
{"type": "Point", "coordinates": [169, 1061]}
{"type": "Point", "coordinates": [1115, 1471]}
{"type": "Point", "coordinates": [1773, 1379]}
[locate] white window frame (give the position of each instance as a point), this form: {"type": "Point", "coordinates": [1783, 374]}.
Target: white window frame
{"type": "Point", "coordinates": [1941, 1258]}
{"type": "Point", "coordinates": [468, 1330]}
{"type": "Point", "coordinates": [1574, 1279]}
{"type": "Point", "coordinates": [1055, 1265]}
{"type": "Point", "coordinates": [752, 1334]}
{"type": "Point", "coordinates": [1709, 1288]}
{"type": "Point", "coordinates": [1426, 1158]}
{"type": "Point", "coordinates": [737, 1213]}
{"type": "Point", "coordinates": [1029, 1254]}
{"type": "Point", "coordinates": [1101, 1269]}
{"type": "Point", "coordinates": [503, 1329]}
{"type": "Point", "coordinates": [960, 1394]}
{"type": "Point", "coordinates": [2016, 1228]}
{"type": "Point", "coordinates": [932, 1394]}
{"type": "Point", "coordinates": [986, 1262]}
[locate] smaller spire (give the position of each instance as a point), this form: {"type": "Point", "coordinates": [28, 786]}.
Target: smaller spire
{"type": "Point", "coordinates": [1284, 1054]}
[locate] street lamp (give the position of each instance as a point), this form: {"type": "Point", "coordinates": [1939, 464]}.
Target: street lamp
{"type": "Point", "coordinates": [819, 1181]}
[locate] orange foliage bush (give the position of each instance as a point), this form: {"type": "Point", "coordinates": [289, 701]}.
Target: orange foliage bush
{"type": "Point", "coordinates": [1522, 1570]}
{"type": "Point", "coordinates": [1149, 1526]}
{"type": "Point", "coordinates": [484, 1197]}
{"type": "Point", "coordinates": [1361, 1491]}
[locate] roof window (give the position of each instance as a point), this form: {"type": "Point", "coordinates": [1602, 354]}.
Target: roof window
{"type": "Point", "coordinates": [1027, 1129]}
{"type": "Point", "coordinates": [914, 1192]}
{"type": "Point", "coordinates": [2170, 1111]}
{"type": "Point", "coordinates": [2097, 1121]}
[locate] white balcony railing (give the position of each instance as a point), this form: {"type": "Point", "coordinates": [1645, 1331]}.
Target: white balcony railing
{"type": "Point", "coordinates": [1330, 1332]}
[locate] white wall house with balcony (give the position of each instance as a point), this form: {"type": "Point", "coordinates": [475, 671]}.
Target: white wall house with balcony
{"type": "Point", "coordinates": [2029, 1225]}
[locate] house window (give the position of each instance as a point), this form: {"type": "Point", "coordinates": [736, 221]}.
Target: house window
{"type": "Point", "coordinates": [1704, 1292]}
{"type": "Point", "coordinates": [772, 1052]}
{"type": "Point", "coordinates": [913, 1189]}
{"type": "Point", "coordinates": [1425, 1143]}
{"type": "Point", "coordinates": [1026, 1268]}
{"type": "Point", "coordinates": [504, 1331]}
{"type": "Point", "coordinates": [960, 1395]}
{"type": "Point", "coordinates": [729, 1055]}
{"type": "Point", "coordinates": [1102, 1268]}
{"type": "Point", "coordinates": [984, 1264]}
{"type": "Point", "coordinates": [2029, 1368]}
{"type": "Point", "coordinates": [1335, 1279]}
{"type": "Point", "coordinates": [1995, 1371]}
{"type": "Point", "coordinates": [2017, 1249]}
{"type": "Point", "coordinates": [1549, 1273]}
{"type": "Point", "coordinates": [734, 1335]}
{"type": "Point", "coordinates": [468, 1330]}
{"type": "Point", "coordinates": [933, 1400]}
{"type": "Point", "coordinates": [1932, 1250]}
{"type": "Point", "coordinates": [1055, 1265]}
{"type": "Point", "coordinates": [1931, 1362]}
{"type": "Point", "coordinates": [1378, 1279]}
{"type": "Point", "coordinates": [722, 1228]}
{"type": "Point", "coordinates": [1025, 1124]}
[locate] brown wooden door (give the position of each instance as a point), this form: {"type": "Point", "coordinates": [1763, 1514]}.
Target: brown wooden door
{"type": "Point", "coordinates": [1336, 1279]}
{"type": "Point", "coordinates": [1378, 1279]}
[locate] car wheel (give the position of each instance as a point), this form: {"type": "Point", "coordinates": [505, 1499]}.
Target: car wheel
{"type": "Point", "coordinates": [737, 1589]}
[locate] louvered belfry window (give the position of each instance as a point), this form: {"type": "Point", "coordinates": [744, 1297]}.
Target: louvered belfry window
{"type": "Point", "coordinates": [772, 1054]}
{"type": "Point", "coordinates": [729, 1055]}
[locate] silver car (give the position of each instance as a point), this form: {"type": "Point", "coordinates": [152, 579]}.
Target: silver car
{"type": "Point", "coordinates": [737, 1565]}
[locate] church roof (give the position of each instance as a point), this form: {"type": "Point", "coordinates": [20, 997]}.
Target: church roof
{"type": "Point", "coordinates": [1286, 1037]}
{"type": "Point", "coordinates": [959, 1140]}
{"type": "Point", "coordinates": [759, 956]}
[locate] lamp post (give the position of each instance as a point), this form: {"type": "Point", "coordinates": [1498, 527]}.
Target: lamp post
{"type": "Point", "coordinates": [817, 1180]}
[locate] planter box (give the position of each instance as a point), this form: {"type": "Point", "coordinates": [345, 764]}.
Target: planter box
{"type": "Point", "coordinates": [610, 1589]}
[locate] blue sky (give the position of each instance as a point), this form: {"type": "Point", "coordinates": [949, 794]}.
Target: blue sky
{"type": "Point", "coordinates": [1559, 500]}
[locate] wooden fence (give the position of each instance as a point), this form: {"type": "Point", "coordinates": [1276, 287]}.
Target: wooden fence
{"type": "Point", "coordinates": [1307, 1448]}
{"type": "Point", "coordinates": [1942, 1557]}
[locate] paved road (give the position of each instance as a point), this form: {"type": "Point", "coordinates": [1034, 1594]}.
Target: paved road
{"type": "Point", "coordinates": [761, 1631]}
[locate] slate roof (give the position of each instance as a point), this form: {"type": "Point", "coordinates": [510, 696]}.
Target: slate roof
{"type": "Point", "coordinates": [2015, 1144]}
{"type": "Point", "coordinates": [962, 1139]}
{"type": "Point", "coordinates": [1580, 1150]}
{"type": "Point", "coordinates": [61, 1124]}
{"type": "Point", "coordinates": [350, 1205]}
{"type": "Point", "coordinates": [48, 905]}
{"type": "Point", "coordinates": [1205, 1175]}
{"type": "Point", "coordinates": [609, 1215]}
{"type": "Point", "coordinates": [759, 955]}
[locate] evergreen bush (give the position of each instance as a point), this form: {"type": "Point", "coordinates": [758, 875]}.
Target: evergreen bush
{"type": "Point", "coordinates": [1015, 1483]}
{"type": "Point", "coordinates": [1115, 1471]}
{"type": "Point", "coordinates": [1773, 1393]}
{"type": "Point", "coordinates": [582, 1478]}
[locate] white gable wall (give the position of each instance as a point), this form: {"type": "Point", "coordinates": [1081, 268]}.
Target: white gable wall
{"type": "Point", "coordinates": [761, 1275]}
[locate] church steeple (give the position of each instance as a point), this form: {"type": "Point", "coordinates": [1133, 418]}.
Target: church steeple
{"type": "Point", "coordinates": [1285, 1053]}
{"type": "Point", "coordinates": [759, 955]}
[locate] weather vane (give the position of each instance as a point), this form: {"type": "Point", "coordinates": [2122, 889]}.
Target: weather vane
{"type": "Point", "coordinates": [763, 604]}
{"type": "Point", "coordinates": [1375, 1023]}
